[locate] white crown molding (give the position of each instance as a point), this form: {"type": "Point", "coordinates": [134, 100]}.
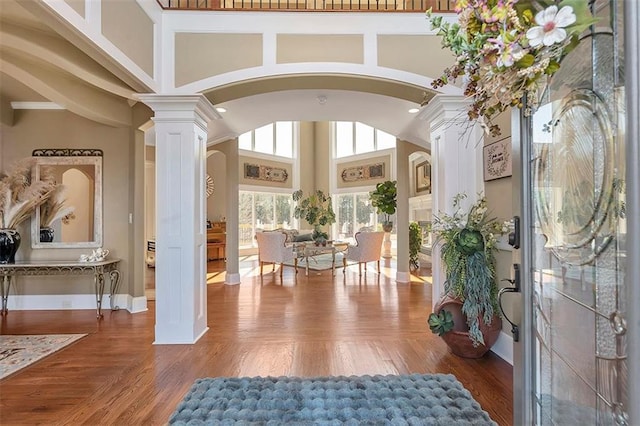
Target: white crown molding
{"type": "Point", "coordinates": [36, 105]}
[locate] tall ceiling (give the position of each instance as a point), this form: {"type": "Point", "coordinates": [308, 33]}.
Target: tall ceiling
{"type": "Point", "coordinates": [42, 60]}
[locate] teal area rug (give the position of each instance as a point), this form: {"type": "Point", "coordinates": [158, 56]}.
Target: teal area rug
{"type": "Point", "coordinates": [20, 351]}
{"type": "Point", "coordinates": [417, 399]}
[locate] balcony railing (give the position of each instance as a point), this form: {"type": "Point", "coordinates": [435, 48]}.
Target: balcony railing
{"type": "Point", "coordinates": [310, 5]}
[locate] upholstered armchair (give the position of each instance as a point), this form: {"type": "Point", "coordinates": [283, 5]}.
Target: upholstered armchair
{"type": "Point", "coordinates": [272, 249]}
{"type": "Point", "coordinates": [368, 248]}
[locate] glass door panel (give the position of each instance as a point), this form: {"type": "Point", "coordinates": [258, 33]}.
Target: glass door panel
{"type": "Point", "coordinates": [577, 193]}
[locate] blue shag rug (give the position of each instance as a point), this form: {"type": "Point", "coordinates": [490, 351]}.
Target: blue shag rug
{"type": "Point", "coordinates": [417, 399]}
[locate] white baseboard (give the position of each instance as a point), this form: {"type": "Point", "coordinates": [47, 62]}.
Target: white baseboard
{"type": "Point", "coordinates": [137, 304]}
{"type": "Point", "coordinates": [43, 302]}
{"type": "Point", "coordinates": [403, 277]}
{"type": "Point", "coordinates": [232, 279]}
{"type": "Point", "coordinates": [504, 347]}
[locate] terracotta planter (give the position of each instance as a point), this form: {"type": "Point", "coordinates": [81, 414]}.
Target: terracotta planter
{"type": "Point", "coordinates": [458, 339]}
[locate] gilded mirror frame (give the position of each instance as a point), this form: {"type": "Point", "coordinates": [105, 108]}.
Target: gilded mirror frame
{"type": "Point", "coordinates": [71, 157]}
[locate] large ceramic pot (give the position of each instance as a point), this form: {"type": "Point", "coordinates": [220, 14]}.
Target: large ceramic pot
{"type": "Point", "coordinates": [9, 243]}
{"type": "Point", "coordinates": [458, 339]}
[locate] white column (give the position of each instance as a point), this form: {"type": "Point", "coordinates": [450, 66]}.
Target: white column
{"type": "Point", "coordinates": [181, 290]}
{"type": "Point", "coordinates": [456, 153]}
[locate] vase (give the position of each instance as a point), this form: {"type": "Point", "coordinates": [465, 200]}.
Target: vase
{"type": "Point", "coordinates": [9, 243]}
{"type": "Point", "coordinates": [46, 234]}
{"type": "Point", "coordinates": [458, 339]}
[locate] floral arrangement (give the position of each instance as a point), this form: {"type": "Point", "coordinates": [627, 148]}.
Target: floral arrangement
{"type": "Point", "coordinates": [469, 241]}
{"type": "Point", "coordinates": [20, 195]}
{"type": "Point", "coordinates": [504, 48]}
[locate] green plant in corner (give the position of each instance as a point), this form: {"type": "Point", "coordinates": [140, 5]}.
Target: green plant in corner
{"type": "Point", "coordinates": [384, 199]}
{"type": "Point", "coordinates": [441, 322]}
{"type": "Point", "coordinates": [468, 245]}
{"type": "Point", "coordinates": [316, 209]}
{"type": "Point", "coordinates": [415, 241]}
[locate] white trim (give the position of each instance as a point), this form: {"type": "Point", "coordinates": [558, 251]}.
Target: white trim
{"type": "Point", "coordinates": [136, 305]}
{"type": "Point", "coordinates": [36, 105]}
{"type": "Point", "coordinates": [504, 347]}
{"type": "Point", "coordinates": [44, 302]}
{"type": "Point", "coordinates": [232, 279]}
{"type": "Point", "coordinates": [403, 277]}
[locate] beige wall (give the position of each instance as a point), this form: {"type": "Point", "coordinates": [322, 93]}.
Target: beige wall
{"type": "Point", "coordinates": [129, 28]}
{"type": "Point", "coordinates": [62, 129]}
{"type": "Point", "coordinates": [409, 53]}
{"type": "Point", "coordinates": [499, 201]}
{"type": "Point", "coordinates": [77, 5]}
{"type": "Point", "coordinates": [322, 155]}
{"type": "Point", "coordinates": [217, 202]}
{"type": "Point", "coordinates": [292, 48]}
{"type": "Point", "coordinates": [223, 54]}
{"type": "Point", "coordinates": [306, 156]}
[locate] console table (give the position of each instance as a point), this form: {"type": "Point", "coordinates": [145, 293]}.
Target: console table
{"type": "Point", "coordinates": [9, 271]}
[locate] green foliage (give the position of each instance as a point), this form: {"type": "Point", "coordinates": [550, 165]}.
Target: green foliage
{"type": "Point", "coordinates": [467, 253]}
{"type": "Point", "coordinates": [384, 198]}
{"type": "Point", "coordinates": [441, 322]}
{"type": "Point", "coordinates": [316, 209]}
{"type": "Point", "coordinates": [415, 241]}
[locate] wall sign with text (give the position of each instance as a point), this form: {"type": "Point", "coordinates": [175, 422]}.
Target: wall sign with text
{"type": "Point", "coordinates": [497, 160]}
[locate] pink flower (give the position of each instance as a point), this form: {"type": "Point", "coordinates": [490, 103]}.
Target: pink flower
{"type": "Point", "coordinates": [550, 28]}
{"type": "Point", "coordinates": [508, 53]}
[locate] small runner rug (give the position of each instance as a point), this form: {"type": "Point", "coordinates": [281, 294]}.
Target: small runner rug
{"type": "Point", "coordinates": [19, 351]}
{"type": "Point", "coordinates": [417, 399]}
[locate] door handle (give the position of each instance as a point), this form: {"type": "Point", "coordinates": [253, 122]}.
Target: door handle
{"type": "Point", "coordinates": [515, 282]}
{"type": "Point", "coordinates": [514, 237]}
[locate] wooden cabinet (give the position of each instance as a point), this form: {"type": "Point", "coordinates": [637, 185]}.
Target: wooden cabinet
{"type": "Point", "coordinates": [217, 241]}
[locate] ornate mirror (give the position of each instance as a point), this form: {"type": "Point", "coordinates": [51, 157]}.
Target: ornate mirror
{"type": "Point", "coordinates": [72, 218]}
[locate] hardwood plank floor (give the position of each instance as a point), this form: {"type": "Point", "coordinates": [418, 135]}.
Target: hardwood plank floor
{"type": "Point", "coordinates": [300, 326]}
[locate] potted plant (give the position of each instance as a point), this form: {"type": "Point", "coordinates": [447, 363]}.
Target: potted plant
{"type": "Point", "coordinates": [415, 241]}
{"type": "Point", "coordinates": [384, 199]}
{"type": "Point", "coordinates": [467, 317]}
{"type": "Point", "coordinates": [19, 196]}
{"type": "Point", "coordinates": [317, 210]}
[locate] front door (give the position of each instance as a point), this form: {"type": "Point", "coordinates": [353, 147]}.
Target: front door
{"type": "Point", "coordinates": [574, 216]}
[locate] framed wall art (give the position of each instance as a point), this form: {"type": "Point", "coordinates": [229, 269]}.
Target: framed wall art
{"type": "Point", "coordinates": [423, 177]}
{"type": "Point", "coordinates": [497, 160]}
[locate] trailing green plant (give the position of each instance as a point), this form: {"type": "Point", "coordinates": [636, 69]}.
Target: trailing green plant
{"type": "Point", "coordinates": [468, 245]}
{"type": "Point", "coordinates": [441, 322]}
{"type": "Point", "coordinates": [384, 199]}
{"type": "Point", "coordinates": [415, 241]}
{"type": "Point", "coordinates": [316, 209]}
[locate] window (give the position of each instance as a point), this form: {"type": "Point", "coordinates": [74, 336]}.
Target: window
{"type": "Point", "coordinates": [353, 212]}
{"type": "Point", "coordinates": [273, 139]}
{"type": "Point", "coordinates": [353, 138]}
{"type": "Point", "coordinates": [264, 211]}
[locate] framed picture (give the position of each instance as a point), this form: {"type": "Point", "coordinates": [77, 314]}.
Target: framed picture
{"type": "Point", "coordinates": [497, 160]}
{"type": "Point", "coordinates": [423, 177]}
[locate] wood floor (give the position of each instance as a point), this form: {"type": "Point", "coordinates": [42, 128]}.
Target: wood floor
{"type": "Point", "coordinates": [300, 326]}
